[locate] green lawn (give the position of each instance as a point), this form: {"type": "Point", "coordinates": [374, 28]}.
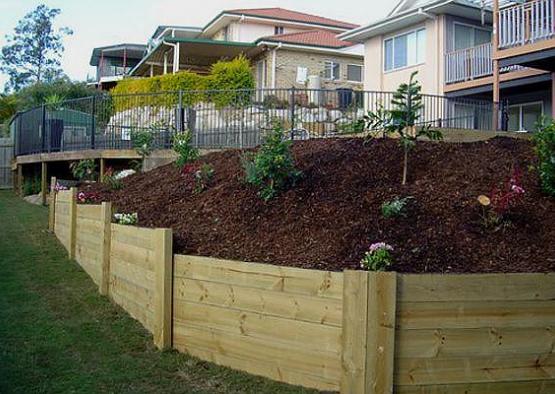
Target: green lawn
{"type": "Point", "coordinates": [57, 334]}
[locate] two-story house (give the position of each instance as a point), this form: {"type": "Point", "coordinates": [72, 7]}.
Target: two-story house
{"type": "Point", "coordinates": [452, 45]}
{"type": "Point", "coordinates": [287, 49]}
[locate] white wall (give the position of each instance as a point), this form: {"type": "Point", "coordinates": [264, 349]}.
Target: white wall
{"type": "Point", "coordinates": [430, 73]}
{"type": "Point", "coordinates": [249, 32]}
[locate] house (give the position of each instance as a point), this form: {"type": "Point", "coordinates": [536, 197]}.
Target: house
{"type": "Point", "coordinates": [113, 62]}
{"type": "Point", "coordinates": [453, 46]}
{"type": "Point", "coordinates": [287, 49]}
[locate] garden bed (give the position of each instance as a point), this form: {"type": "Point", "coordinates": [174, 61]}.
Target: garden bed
{"type": "Point", "coordinates": [333, 214]}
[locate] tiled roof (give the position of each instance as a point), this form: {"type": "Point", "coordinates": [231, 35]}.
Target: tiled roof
{"type": "Point", "coordinates": [322, 38]}
{"type": "Point", "coordinates": [283, 14]}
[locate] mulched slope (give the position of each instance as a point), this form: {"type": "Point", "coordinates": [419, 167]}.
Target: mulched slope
{"type": "Point", "coordinates": [331, 217]}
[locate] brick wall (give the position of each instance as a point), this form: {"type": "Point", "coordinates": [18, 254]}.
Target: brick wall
{"type": "Point", "coordinates": [288, 61]}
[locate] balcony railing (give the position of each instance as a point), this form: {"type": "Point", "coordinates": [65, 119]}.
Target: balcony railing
{"type": "Point", "coordinates": [111, 71]}
{"type": "Point", "coordinates": [468, 64]}
{"type": "Point", "coordinates": [526, 23]}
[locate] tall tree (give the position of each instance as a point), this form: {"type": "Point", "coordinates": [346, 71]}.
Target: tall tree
{"type": "Point", "coordinates": [33, 52]}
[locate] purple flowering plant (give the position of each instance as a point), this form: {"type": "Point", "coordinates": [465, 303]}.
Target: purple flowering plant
{"type": "Point", "coordinates": [378, 257]}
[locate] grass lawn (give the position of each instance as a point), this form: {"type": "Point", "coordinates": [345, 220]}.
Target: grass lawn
{"type": "Point", "coordinates": [57, 334]}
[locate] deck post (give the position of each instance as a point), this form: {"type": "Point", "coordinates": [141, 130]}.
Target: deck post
{"type": "Point", "coordinates": [43, 181]}
{"type": "Point", "coordinates": [496, 88]}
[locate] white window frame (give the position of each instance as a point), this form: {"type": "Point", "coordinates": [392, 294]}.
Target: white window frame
{"type": "Point", "coordinates": [490, 30]}
{"type": "Point", "coordinates": [520, 114]}
{"type": "Point", "coordinates": [392, 38]}
{"type": "Point", "coordinates": [261, 77]}
{"type": "Point", "coordinates": [333, 64]}
{"type": "Point", "coordinates": [277, 30]}
{"type": "Point", "coordinates": [361, 72]}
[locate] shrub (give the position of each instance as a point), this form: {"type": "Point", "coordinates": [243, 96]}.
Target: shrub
{"type": "Point", "coordinates": [378, 257]}
{"type": "Point", "coordinates": [401, 120]}
{"type": "Point", "coordinates": [142, 142]}
{"type": "Point", "coordinates": [111, 180]}
{"type": "Point", "coordinates": [544, 141]}
{"type": "Point", "coordinates": [83, 170]}
{"type": "Point", "coordinates": [395, 208]}
{"type": "Point", "coordinates": [272, 168]}
{"type": "Point", "coordinates": [228, 77]}
{"type": "Point", "coordinates": [182, 145]}
{"type": "Point", "coordinates": [31, 186]}
{"type": "Point", "coordinates": [224, 75]}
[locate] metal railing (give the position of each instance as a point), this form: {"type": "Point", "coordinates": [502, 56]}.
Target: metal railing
{"type": "Point", "coordinates": [526, 23]}
{"type": "Point", "coordinates": [468, 64]}
{"type": "Point", "coordinates": [222, 118]}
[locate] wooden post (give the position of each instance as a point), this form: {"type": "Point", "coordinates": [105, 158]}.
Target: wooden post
{"type": "Point", "coordinates": [43, 182]}
{"type": "Point", "coordinates": [163, 289]}
{"type": "Point", "coordinates": [106, 218]}
{"type": "Point", "coordinates": [102, 169]}
{"type": "Point", "coordinates": [354, 336]}
{"type": "Point", "coordinates": [20, 179]}
{"type": "Point", "coordinates": [72, 222]}
{"type": "Point", "coordinates": [52, 204]}
{"type": "Point", "coordinates": [380, 349]}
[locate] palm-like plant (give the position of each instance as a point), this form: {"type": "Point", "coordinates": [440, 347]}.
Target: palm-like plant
{"type": "Point", "coordinates": [402, 120]}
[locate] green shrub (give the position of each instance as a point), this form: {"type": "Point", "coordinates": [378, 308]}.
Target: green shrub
{"type": "Point", "coordinates": [395, 207]}
{"type": "Point", "coordinates": [142, 142]}
{"type": "Point", "coordinates": [378, 257]}
{"type": "Point", "coordinates": [31, 186]}
{"type": "Point", "coordinates": [184, 149]}
{"type": "Point", "coordinates": [272, 168]}
{"type": "Point", "coordinates": [228, 77]}
{"type": "Point", "coordinates": [224, 75]}
{"type": "Point", "coordinates": [83, 170]}
{"type": "Point", "coordinates": [544, 141]}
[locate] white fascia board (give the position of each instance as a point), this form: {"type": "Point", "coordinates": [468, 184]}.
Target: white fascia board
{"type": "Point", "coordinates": [330, 51]}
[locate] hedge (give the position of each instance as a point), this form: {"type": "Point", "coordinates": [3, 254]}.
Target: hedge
{"type": "Point", "coordinates": [225, 76]}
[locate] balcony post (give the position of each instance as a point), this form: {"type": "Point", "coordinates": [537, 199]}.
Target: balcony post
{"type": "Point", "coordinates": [496, 93]}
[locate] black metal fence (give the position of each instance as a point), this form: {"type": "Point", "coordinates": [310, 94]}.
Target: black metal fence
{"type": "Point", "coordinates": [222, 118]}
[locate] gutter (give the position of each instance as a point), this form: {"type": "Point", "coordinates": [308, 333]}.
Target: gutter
{"type": "Point", "coordinates": [274, 65]}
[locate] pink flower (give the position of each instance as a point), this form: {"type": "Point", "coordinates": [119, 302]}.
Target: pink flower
{"type": "Point", "coordinates": [380, 245]}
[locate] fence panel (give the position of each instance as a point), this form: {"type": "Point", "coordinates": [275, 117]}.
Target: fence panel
{"type": "Point", "coordinates": [6, 156]}
{"type": "Point", "coordinates": [279, 322]}
{"type": "Point", "coordinates": [222, 118]}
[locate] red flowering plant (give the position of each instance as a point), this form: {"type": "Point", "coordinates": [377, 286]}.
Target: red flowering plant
{"type": "Point", "coordinates": [501, 200]}
{"type": "Point", "coordinates": [197, 177]}
{"type": "Point", "coordinates": [88, 198]}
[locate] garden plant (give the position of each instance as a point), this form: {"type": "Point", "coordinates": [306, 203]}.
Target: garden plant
{"type": "Point", "coordinates": [395, 207]}
{"type": "Point", "coordinates": [271, 169]}
{"type": "Point", "coordinates": [182, 145]}
{"type": "Point", "coordinates": [84, 170]}
{"type": "Point", "coordinates": [544, 140]}
{"type": "Point", "coordinates": [402, 120]}
{"type": "Point", "coordinates": [378, 257]}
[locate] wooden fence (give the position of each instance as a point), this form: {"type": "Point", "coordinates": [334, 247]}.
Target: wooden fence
{"type": "Point", "coordinates": [6, 156]}
{"type": "Point", "coordinates": [355, 331]}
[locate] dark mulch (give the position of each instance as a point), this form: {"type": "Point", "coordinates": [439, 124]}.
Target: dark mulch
{"type": "Point", "coordinates": [331, 217]}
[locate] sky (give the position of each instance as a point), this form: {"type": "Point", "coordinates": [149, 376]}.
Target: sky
{"type": "Point", "coordinates": [105, 22]}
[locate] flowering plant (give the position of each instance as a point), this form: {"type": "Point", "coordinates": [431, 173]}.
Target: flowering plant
{"type": "Point", "coordinates": [498, 204]}
{"type": "Point", "coordinates": [128, 219]}
{"type": "Point", "coordinates": [59, 187]}
{"type": "Point", "coordinates": [378, 257]}
{"type": "Point", "coordinates": [198, 176]}
{"type": "Point", "coordinates": [111, 179]}
{"type": "Point", "coordinates": [87, 197]}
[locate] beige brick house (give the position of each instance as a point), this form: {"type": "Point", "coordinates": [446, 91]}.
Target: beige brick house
{"type": "Point", "coordinates": [287, 49]}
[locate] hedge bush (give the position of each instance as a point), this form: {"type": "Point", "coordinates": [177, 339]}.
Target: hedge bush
{"type": "Point", "coordinates": [225, 76]}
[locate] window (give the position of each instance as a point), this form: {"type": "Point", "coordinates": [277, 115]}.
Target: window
{"type": "Point", "coordinates": [466, 36]}
{"type": "Point", "coordinates": [278, 30]}
{"type": "Point", "coordinates": [523, 117]}
{"type": "Point", "coordinates": [354, 73]}
{"type": "Point", "coordinates": [405, 50]}
{"type": "Point", "coordinates": [261, 74]}
{"type": "Point", "coordinates": [331, 71]}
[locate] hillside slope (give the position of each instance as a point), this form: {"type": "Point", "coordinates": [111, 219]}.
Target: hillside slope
{"type": "Point", "coordinates": [331, 217]}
